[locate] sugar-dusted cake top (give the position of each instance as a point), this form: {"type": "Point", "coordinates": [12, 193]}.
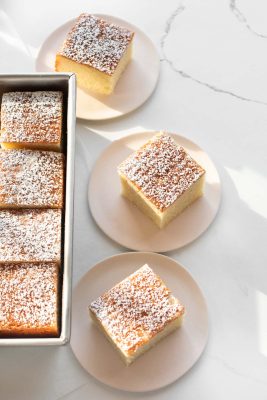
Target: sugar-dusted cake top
{"type": "Point", "coordinates": [97, 43]}
{"type": "Point", "coordinates": [136, 309]}
{"type": "Point", "coordinates": [30, 235]}
{"type": "Point", "coordinates": [31, 117]}
{"type": "Point", "coordinates": [29, 297]}
{"type": "Point", "coordinates": [162, 170]}
{"type": "Point", "coordinates": [31, 178]}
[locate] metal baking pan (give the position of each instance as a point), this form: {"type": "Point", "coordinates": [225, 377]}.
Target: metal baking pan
{"type": "Point", "coordinates": [67, 84]}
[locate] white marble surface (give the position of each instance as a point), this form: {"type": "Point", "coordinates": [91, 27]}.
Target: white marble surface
{"type": "Point", "coordinates": [212, 89]}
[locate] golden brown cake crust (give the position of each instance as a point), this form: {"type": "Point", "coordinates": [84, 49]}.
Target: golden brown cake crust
{"type": "Point", "coordinates": [136, 309]}
{"type": "Point", "coordinates": [96, 43]}
{"type": "Point", "coordinates": [30, 235]}
{"type": "Point", "coordinates": [31, 117]}
{"type": "Point", "coordinates": [31, 179]}
{"type": "Point", "coordinates": [29, 300]}
{"type": "Point", "coordinates": [162, 170]}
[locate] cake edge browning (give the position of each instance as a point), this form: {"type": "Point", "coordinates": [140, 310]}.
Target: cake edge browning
{"type": "Point", "coordinates": [45, 305]}
{"type": "Point", "coordinates": [21, 127]}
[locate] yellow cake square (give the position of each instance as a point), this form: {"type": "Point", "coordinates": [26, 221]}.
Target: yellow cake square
{"type": "Point", "coordinates": [30, 235]}
{"type": "Point", "coordinates": [136, 313]}
{"type": "Point", "coordinates": [29, 298]}
{"type": "Point", "coordinates": [97, 51]}
{"type": "Point", "coordinates": [31, 179]}
{"type": "Point", "coordinates": [161, 179]}
{"type": "Point", "coordinates": [31, 120]}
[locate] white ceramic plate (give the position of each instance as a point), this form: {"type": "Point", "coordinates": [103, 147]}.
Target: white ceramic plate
{"type": "Point", "coordinates": [134, 87]}
{"type": "Point", "coordinates": [170, 358]}
{"type": "Point", "coordinates": [125, 223]}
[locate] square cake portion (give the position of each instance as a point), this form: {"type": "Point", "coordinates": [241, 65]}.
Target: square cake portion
{"type": "Point", "coordinates": [31, 178]}
{"type": "Point", "coordinates": [136, 313]}
{"type": "Point", "coordinates": [30, 235]}
{"type": "Point", "coordinates": [161, 179]}
{"type": "Point", "coordinates": [97, 51]}
{"type": "Point", "coordinates": [31, 120]}
{"type": "Point", "coordinates": [29, 298]}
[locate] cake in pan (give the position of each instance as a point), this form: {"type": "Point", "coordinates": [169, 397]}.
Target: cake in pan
{"type": "Point", "coordinates": [136, 313]}
{"type": "Point", "coordinates": [161, 179]}
{"type": "Point", "coordinates": [31, 120]}
{"type": "Point", "coordinates": [30, 235]}
{"type": "Point", "coordinates": [29, 298]}
{"type": "Point", "coordinates": [31, 179]}
{"type": "Point", "coordinates": [97, 51]}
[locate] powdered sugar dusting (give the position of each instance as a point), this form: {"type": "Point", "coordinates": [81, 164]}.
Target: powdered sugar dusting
{"type": "Point", "coordinates": [136, 309]}
{"type": "Point", "coordinates": [31, 117]}
{"type": "Point", "coordinates": [31, 178]}
{"type": "Point", "coordinates": [162, 170]}
{"type": "Point", "coordinates": [30, 235]}
{"type": "Point", "coordinates": [97, 43]}
{"type": "Point", "coordinates": [29, 299]}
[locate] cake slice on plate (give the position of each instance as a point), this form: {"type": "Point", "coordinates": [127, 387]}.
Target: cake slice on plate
{"type": "Point", "coordinates": [97, 51]}
{"type": "Point", "coordinates": [161, 179]}
{"type": "Point", "coordinates": [136, 313]}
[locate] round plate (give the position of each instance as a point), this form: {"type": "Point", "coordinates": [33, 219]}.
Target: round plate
{"type": "Point", "coordinates": [123, 222]}
{"type": "Point", "coordinates": [134, 87]}
{"type": "Point", "coordinates": [162, 364]}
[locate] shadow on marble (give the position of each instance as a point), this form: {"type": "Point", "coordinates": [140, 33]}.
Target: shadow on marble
{"type": "Point", "coordinates": [244, 290]}
{"type": "Point", "coordinates": [90, 243]}
{"type": "Point", "coordinates": [39, 371]}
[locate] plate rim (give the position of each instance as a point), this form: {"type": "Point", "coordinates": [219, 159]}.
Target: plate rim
{"type": "Point", "coordinates": [120, 20]}
{"type": "Point", "coordinates": [130, 137]}
{"type": "Point", "coordinates": [175, 263]}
